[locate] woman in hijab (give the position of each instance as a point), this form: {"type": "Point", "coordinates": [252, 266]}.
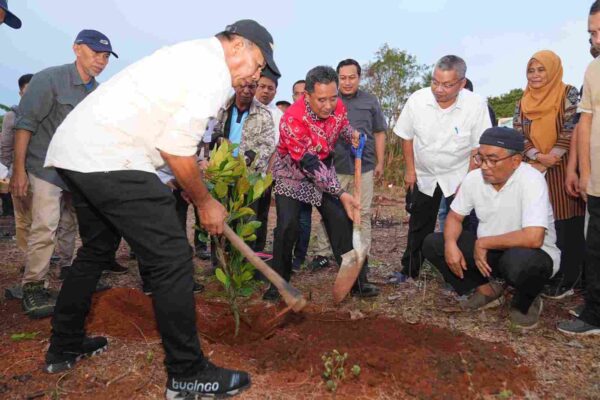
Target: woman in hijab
{"type": "Point", "coordinates": [546, 115]}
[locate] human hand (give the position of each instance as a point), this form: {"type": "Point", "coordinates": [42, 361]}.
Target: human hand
{"type": "Point", "coordinates": [548, 160]}
{"type": "Point", "coordinates": [410, 178]}
{"type": "Point", "coordinates": [572, 184]}
{"type": "Point", "coordinates": [378, 172]}
{"type": "Point", "coordinates": [455, 259]}
{"type": "Point", "coordinates": [19, 183]}
{"type": "Point", "coordinates": [212, 216]}
{"type": "Point", "coordinates": [480, 256]}
{"type": "Point", "coordinates": [583, 184]}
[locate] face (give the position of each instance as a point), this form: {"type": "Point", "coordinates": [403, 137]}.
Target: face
{"type": "Point", "coordinates": [91, 62]}
{"type": "Point", "coordinates": [245, 93]}
{"type": "Point", "coordinates": [245, 62]}
{"type": "Point", "coordinates": [504, 166]}
{"type": "Point", "coordinates": [537, 76]}
{"type": "Point", "coordinates": [297, 90]}
{"type": "Point", "coordinates": [594, 29]}
{"type": "Point", "coordinates": [324, 99]}
{"type": "Point", "coordinates": [349, 80]}
{"type": "Point", "coordinates": [446, 85]}
{"type": "Point", "coordinates": [23, 90]}
{"type": "Point", "coordinates": [265, 93]}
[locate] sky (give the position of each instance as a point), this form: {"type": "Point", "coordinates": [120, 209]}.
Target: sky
{"type": "Point", "coordinates": [495, 41]}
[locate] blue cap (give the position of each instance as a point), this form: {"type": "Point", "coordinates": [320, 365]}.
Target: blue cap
{"type": "Point", "coordinates": [95, 40]}
{"type": "Point", "coordinates": [10, 19]}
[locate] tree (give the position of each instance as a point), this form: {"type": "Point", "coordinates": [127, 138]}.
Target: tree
{"type": "Point", "coordinates": [5, 108]}
{"type": "Point", "coordinates": [504, 104]}
{"type": "Point", "coordinates": [392, 77]}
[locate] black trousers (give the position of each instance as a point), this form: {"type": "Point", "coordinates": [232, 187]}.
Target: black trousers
{"type": "Point", "coordinates": [337, 225]}
{"type": "Point", "coordinates": [527, 270]}
{"type": "Point", "coordinates": [139, 207]}
{"type": "Point", "coordinates": [423, 216]}
{"type": "Point", "coordinates": [571, 242]}
{"type": "Point", "coordinates": [261, 208]}
{"type": "Point", "coordinates": [591, 312]}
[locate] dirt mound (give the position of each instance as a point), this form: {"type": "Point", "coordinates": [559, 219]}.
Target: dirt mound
{"type": "Point", "coordinates": [395, 357]}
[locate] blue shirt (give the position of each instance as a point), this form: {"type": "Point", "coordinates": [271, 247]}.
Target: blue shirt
{"type": "Point", "coordinates": [235, 129]}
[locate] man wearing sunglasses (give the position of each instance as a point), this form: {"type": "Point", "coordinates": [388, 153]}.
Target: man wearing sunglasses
{"type": "Point", "coordinates": [515, 238]}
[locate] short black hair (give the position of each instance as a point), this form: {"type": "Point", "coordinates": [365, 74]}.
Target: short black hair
{"type": "Point", "coordinates": [322, 74]}
{"type": "Point", "coordinates": [469, 85]}
{"type": "Point", "coordinates": [283, 103]}
{"type": "Point", "coordinates": [24, 80]}
{"type": "Point", "coordinates": [347, 62]}
{"type": "Point", "coordinates": [595, 8]}
{"type": "Point", "coordinates": [297, 82]}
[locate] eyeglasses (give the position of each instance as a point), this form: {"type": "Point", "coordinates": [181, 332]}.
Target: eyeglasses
{"type": "Point", "coordinates": [490, 162]}
{"type": "Point", "coordinates": [445, 85]}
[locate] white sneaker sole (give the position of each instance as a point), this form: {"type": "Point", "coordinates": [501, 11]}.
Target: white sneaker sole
{"type": "Point", "coordinates": [175, 395]}
{"type": "Point", "coordinates": [66, 365]}
{"type": "Point", "coordinates": [590, 332]}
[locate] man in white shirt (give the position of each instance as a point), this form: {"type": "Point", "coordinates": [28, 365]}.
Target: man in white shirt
{"type": "Point", "coordinates": [108, 150]}
{"type": "Point", "coordinates": [440, 127]}
{"type": "Point", "coordinates": [515, 239]}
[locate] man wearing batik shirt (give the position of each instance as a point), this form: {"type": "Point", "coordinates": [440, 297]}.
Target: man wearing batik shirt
{"type": "Point", "coordinates": [304, 173]}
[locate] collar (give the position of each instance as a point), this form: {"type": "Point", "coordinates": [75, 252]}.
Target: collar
{"type": "Point", "coordinates": [354, 96]}
{"type": "Point", "coordinates": [75, 77]}
{"type": "Point", "coordinates": [433, 103]}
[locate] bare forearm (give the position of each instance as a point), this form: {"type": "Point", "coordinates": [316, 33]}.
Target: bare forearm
{"type": "Point", "coordinates": [530, 237]}
{"type": "Point", "coordinates": [188, 176]}
{"type": "Point", "coordinates": [22, 138]}
{"type": "Point", "coordinates": [409, 156]}
{"type": "Point", "coordinates": [453, 227]}
{"type": "Point", "coordinates": [572, 163]}
{"type": "Point", "coordinates": [380, 146]}
{"type": "Point", "coordinates": [583, 143]}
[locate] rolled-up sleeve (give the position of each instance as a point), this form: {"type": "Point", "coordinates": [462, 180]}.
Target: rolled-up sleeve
{"type": "Point", "coordinates": [7, 139]}
{"type": "Point", "coordinates": [36, 103]}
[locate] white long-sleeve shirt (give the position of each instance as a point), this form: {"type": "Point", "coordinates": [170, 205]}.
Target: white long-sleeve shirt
{"type": "Point", "coordinates": [162, 102]}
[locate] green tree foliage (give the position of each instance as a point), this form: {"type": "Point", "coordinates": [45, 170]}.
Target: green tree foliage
{"type": "Point", "coordinates": [392, 77]}
{"type": "Point", "coordinates": [504, 104]}
{"type": "Point", "coordinates": [236, 187]}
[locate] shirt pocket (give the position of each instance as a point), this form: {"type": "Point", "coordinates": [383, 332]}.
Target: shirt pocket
{"type": "Point", "coordinates": [461, 139]}
{"type": "Point", "coordinates": [362, 119]}
{"type": "Point", "coordinates": [65, 104]}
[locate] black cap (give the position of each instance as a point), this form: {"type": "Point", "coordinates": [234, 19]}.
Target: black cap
{"type": "Point", "coordinates": [95, 40]}
{"type": "Point", "coordinates": [257, 34]}
{"type": "Point", "coordinates": [506, 138]}
{"type": "Point", "coordinates": [10, 19]}
{"type": "Point", "coordinates": [283, 103]}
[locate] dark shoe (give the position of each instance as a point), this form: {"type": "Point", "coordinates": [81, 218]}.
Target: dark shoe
{"type": "Point", "coordinates": [203, 253]}
{"type": "Point", "coordinates": [272, 294]}
{"type": "Point", "coordinates": [478, 301]}
{"type": "Point", "coordinates": [557, 292]}
{"type": "Point", "coordinates": [318, 262]}
{"type": "Point", "coordinates": [64, 360]}
{"type": "Point", "coordinates": [576, 312]}
{"type": "Point", "coordinates": [37, 302]}
{"type": "Point", "coordinates": [116, 269]}
{"type": "Point", "coordinates": [102, 285]}
{"type": "Point", "coordinates": [578, 327]}
{"type": "Point", "coordinates": [364, 290]}
{"type": "Point", "coordinates": [529, 320]}
{"type": "Point", "coordinates": [211, 382]}
{"type": "Point", "coordinates": [397, 278]}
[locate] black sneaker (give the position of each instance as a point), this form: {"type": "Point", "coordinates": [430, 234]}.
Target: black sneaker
{"type": "Point", "coordinates": [115, 268]}
{"type": "Point", "coordinates": [578, 327]}
{"type": "Point", "coordinates": [64, 360]}
{"type": "Point", "coordinates": [364, 290]}
{"type": "Point", "coordinates": [37, 302]}
{"type": "Point", "coordinates": [272, 294]}
{"type": "Point", "coordinates": [211, 382]}
{"type": "Point", "coordinates": [203, 252]}
{"type": "Point", "coordinates": [318, 262]}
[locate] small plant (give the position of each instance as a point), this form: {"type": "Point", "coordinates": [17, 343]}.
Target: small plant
{"type": "Point", "coordinates": [236, 187]}
{"type": "Point", "coordinates": [17, 337]}
{"type": "Point", "coordinates": [334, 369]}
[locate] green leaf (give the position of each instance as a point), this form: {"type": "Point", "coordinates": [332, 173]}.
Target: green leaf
{"type": "Point", "coordinates": [246, 276]}
{"type": "Point", "coordinates": [250, 238]}
{"type": "Point", "coordinates": [268, 180]}
{"type": "Point", "coordinates": [203, 236]}
{"type": "Point", "coordinates": [224, 279]}
{"type": "Point", "coordinates": [245, 230]}
{"type": "Point", "coordinates": [16, 337]}
{"type": "Point", "coordinates": [259, 188]}
{"type": "Point", "coordinates": [356, 370]}
{"type": "Point", "coordinates": [243, 185]}
{"type": "Point", "coordinates": [221, 189]}
{"type": "Point", "coordinates": [246, 291]}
